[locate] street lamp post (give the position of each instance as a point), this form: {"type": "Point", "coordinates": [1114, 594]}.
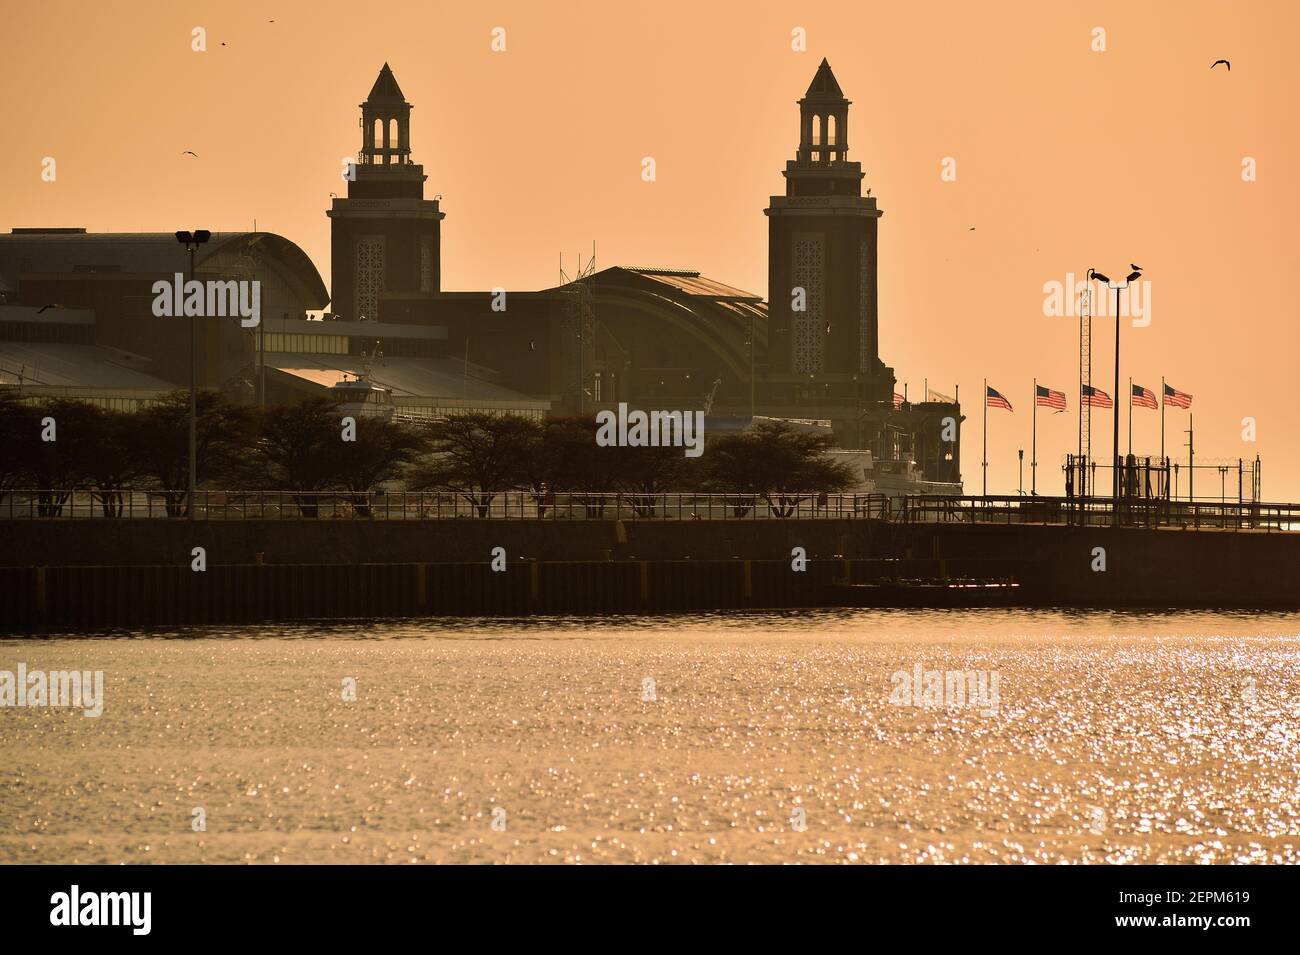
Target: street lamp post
{"type": "Point", "coordinates": [1115, 484]}
{"type": "Point", "coordinates": [191, 241]}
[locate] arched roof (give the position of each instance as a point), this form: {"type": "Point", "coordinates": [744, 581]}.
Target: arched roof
{"type": "Point", "coordinates": [59, 251]}
{"type": "Point", "coordinates": [716, 315]}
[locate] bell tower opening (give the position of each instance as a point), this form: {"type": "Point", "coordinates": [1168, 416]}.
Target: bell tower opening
{"type": "Point", "coordinates": [824, 134]}
{"type": "Point", "coordinates": [386, 121]}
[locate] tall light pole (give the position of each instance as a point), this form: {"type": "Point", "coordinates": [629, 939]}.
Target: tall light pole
{"type": "Point", "coordinates": [1132, 277]}
{"type": "Point", "coordinates": [191, 241]}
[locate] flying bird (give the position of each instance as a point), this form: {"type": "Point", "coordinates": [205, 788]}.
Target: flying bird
{"type": "Point", "coordinates": [190, 152]}
{"type": "Point", "coordinates": [972, 229]}
{"type": "Point", "coordinates": [1224, 62]}
{"type": "Point", "coordinates": [532, 345]}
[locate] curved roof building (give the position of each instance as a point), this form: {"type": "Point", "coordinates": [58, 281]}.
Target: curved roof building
{"type": "Point", "coordinates": [111, 274]}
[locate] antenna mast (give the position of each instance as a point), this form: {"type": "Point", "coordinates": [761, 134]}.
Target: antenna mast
{"type": "Point", "coordinates": [578, 322]}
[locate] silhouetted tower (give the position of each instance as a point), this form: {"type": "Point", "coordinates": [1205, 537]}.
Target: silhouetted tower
{"type": "Point", "coordinates": [822, 255]}
{"type": "Point", "coordinates": [385, 236]}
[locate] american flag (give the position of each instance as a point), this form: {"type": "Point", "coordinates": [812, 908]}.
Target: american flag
{"type": "Point", "coordinates": [1047, 398]}
{"type": "Point", "coordinates": [1179, 399]}
{"type": "Point", "coordinates": [1144, 398]}
{"type": "Point", "coordinates": [996, 400]}
{"type": "Point", "coordinates": [1095, 398]}
{"type": "Point", "coordinates": [898, 401]}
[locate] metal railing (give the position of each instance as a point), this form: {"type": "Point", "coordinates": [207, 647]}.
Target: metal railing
{"type": "Point", "coordinates": [1098, 512]}
{"type": "Point", "coordinates": [26, 503]}
{"type": "Point", "coordinates": [212, 505]}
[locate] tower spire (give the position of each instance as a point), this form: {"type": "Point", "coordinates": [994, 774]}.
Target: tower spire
{"type": "Point", "coordinates": [386, 88]}
{"type": "Point", "coordinates": [823, 120]}
{"type": "Point", "coordinates": [824, 84]}
{"type": "Point", "coordinates": [385, 123]}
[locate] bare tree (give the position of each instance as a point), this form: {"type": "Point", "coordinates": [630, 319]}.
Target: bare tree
{"type": "Point", "coordinates": [777, 464]}
{"type": "Point", "coordinates": [224, 445]}
{"type": "Point", "coordinates": [382, 451]}
{"type": "Point", "coordinates": [574, 462]}
{"type": "Point", "coordinates": [61, 445]}
{"type": "Point", "coordinates": [18, 423]}
{"type": "Point", "coordinates": [300, 448]}
{"type": "Point", "coordinates": [647, 473]}
{"type": "Point", "coordinates": [109, 464]}
{"type": "Point", "coordinates": [477, 455]}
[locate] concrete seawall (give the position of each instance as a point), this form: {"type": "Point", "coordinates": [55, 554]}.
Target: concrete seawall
{"type": "Point", "coordinates": [1143, 566]}
{"type": "Point", "coordinates": [87, 574]}
{"type": "Point", "coordinates": [42, 599]}
{"type": "Point", "coordinates": [53, 543]}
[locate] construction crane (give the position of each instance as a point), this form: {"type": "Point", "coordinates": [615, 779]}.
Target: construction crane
{"type": "Point", "coordinates": [1085, 378]}
{"type": "Point", "coordinates": [708, 399]}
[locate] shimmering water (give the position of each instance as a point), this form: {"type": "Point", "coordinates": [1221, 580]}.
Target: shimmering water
{"type": "Point", "coordinates": [763, 738]}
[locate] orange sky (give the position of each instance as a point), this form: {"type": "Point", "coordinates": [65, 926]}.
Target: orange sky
{"type": "Point", "coordinates": [1066, 159]}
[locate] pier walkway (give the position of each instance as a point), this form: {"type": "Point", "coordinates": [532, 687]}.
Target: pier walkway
{"type": "Point", "coordinates": [214, 505]}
